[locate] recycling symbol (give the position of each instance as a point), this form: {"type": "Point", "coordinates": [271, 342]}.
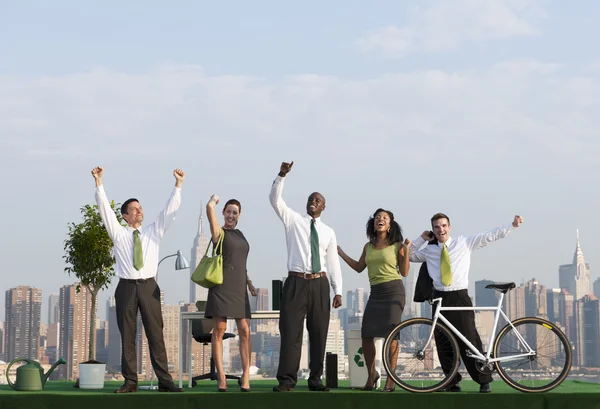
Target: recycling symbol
{"type": "Point", "coordinates": [358, 358]}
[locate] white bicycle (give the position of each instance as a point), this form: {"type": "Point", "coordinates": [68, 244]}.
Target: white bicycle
{"type": "Point", "coordinates": [530, 353]}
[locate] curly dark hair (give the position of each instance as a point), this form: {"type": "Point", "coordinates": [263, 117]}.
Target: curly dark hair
{"type": "Point", "coordinates": [394, 234]}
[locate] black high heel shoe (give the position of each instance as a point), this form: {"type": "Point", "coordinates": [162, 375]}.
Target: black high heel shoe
{"type": "Point", "coordinates": [242, 389]}
{"type": "Point", "coordinates": [370, 388]}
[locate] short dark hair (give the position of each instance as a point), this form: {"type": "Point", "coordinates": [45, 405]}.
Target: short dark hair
{"type": "Point", "coordinates": [233, 202]}
{"type": "Point", "coordinates": [439, 216]}
{"type": "Point", "coordinates": [395, 233]}
{"type": "Point", "coordinates": [126, 205]}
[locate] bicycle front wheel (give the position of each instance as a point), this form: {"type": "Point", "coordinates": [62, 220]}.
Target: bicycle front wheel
{"type": "Point", "coordinates": [415, 366]}
{"type": "Point", "coordinates": [541, 372]}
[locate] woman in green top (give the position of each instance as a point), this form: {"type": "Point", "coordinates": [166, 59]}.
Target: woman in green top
{"type": "Point", "coordinates": [385, 257]}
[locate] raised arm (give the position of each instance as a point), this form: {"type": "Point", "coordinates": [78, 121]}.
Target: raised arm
{"type": "Point", "coordinates": [414, 251]}
{"type": "Point", "coordinates": [279, 205]}
{"type": "Point", "coordinates": [334, 270]}
{"type": "Point", "coordinates": [215, 227]}
{"type": "Point", "coordinates": [167, 215]}
{"type": "Point", "coordinates": [403, 257]}
{"type": "Point", "coordinates": [358, 266]}
{"type": "Point", "coordinates": [113, 227]}
{"type": "Point", "coordinates": [483, 239]}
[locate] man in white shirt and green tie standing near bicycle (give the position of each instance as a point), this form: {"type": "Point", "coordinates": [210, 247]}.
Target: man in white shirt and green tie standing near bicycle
{"type": "Point", "coordinates": [448, 262]}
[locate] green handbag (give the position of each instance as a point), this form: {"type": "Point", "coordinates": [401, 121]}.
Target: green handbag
{"type": "Point", "coordinates": [210, 269]}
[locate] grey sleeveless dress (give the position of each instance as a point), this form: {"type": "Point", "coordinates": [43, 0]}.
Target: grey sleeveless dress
{"type": "Point", "coordinates": [230, 299]}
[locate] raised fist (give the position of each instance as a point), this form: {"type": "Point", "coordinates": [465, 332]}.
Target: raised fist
{"type": "Point", "coordinates": [285, 168]}
{"type": "Point", "coordinates": [517, 221]}
{"type": "Point", "coordinates": [97, 172]}
{"type": "Point", "coordinates": [179, 175]}
{"type": "Point", "coordinates": [214, 200]}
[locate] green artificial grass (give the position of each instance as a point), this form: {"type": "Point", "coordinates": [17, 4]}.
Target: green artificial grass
{"type": "Point", "coordinates": [571, 394]}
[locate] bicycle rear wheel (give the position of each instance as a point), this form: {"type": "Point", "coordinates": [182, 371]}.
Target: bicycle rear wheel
{"type": "Point", "coordinates": [541, 372]}
{"type": "Point", "coordinates": [414, 367]}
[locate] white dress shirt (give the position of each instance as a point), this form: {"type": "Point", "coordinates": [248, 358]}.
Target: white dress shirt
{"type": "Point", "coordinates": [297, 235]}
{"type": "Point", "coordinates": [459, 250]}
{"type": "Point", "coordinates": [150, 235]}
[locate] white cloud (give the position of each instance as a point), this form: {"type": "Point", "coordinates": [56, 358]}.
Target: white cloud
{"type": "Point", "coordinates": [445, 25]}
{"type": "Point", "coordinates": [104, 112]}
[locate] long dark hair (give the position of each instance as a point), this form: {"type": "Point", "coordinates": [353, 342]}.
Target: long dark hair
{"type": "Point", "coordinates": [394, 234]}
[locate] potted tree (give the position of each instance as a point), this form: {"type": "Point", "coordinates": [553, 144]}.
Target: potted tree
{"type": "Point", "coordinates": [88, 252]}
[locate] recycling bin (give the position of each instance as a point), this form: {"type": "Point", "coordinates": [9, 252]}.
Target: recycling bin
{"type": "Point", "coordinates": [356, 360]}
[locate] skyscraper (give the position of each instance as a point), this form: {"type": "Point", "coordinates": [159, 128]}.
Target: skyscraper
{"type": "Point", "coordinates": [53, 310]}
{"type": "Point", "coordinates": [575, 277]}
{"type": "Point", "coordinates": [114, 340]}
{"type": "Point", "coordinates": [587, 350]}
{"type": "Point", "coordinates": [350, 302]}
{"type": "Point", "coordinates": [23, 307]}
{"type": "Point", "coordinates": [74, 335]}
{"type": "Point", "coordinates": [201, 242]}
{"type": "Point", "coordinates": [536, 303]}
{"type": "Point", "coordinates": [262, 299]}
{"type": "Point", "coordinates": [553, 304]}
{"type": "Point", "coordinates": [485, 297]}
{"type": "Point", "coordinates": [597, 288]}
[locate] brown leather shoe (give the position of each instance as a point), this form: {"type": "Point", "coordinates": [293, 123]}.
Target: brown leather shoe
{"type": "Point", "coordinates": [169, 388]}
{"type": "Point", "coordinates": [126, 388]}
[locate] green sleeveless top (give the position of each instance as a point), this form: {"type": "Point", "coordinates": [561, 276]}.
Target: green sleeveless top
{"type": "Point", "coordinates": [382, 265]}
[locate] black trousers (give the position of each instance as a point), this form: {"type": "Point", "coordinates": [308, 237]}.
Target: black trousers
{"type": "Point", "coordinates": [464, 321]}
{"type": "Point", "coordinates": [144, 295]}
{"type": "Point", "coordinates": [303, 298]}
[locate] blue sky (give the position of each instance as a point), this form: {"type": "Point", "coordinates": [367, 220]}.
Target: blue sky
{"type": "Point", "coordinates": [479, 109]}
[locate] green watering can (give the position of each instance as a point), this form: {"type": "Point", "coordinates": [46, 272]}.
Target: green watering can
{"type": "Point", "coordinates": [31, 376]}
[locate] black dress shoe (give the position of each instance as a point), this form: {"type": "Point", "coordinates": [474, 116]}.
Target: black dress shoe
{"type": "Point", "coordinates": [169, 388]}
{"type": "Point", "coordinates": [451, 388]}
{"type": "Point", "coordinates": [319, 387]}
{"type": "Point", "coordinates": [485, 388]}
{"type": "Point", "coordinates": [127, 388]}
{"type": "Point", "coordinates": [221, 389]}
{"type": "Point", "coordinates": [282, 387]}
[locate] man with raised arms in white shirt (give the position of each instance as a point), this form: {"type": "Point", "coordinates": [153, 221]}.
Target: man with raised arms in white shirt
{"type": "Point", "coordinates": [448, 262]}
{"type": "Point", "coordinates": [136, 254]}
{"type": "Point", "coordinates": [312, 263]}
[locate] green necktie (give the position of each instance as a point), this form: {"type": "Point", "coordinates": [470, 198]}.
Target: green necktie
{"type": "Point", "coordinates": [138, 256]}
{"type": "Point", "coordinates": [314, 248]}
{"type": "Point", "coordinates": [445, 267]}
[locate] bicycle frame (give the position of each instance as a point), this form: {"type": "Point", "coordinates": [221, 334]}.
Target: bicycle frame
{"type": "Point", "coordinates": [471, 348]}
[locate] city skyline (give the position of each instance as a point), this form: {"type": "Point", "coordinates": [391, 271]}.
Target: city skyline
{"type": "Point", "coordinates": [201, 241]}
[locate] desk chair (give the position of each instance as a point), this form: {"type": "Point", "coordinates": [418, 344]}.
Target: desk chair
{"type": "Point", "coordinates": [201, 329]}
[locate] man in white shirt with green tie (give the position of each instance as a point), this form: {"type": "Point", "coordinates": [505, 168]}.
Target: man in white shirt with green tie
{"type": "Point", "coordinates": [448, 262]}
{"type": "Point", "coordinates": [313, 264]}
{"type": "Point", "coordinates": [136, 250]}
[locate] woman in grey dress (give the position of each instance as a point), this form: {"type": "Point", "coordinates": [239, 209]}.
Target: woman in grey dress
{"type": "Point", "coordinates": [230, 299]}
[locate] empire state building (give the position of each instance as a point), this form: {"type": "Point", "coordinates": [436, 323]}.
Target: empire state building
{"type": "Point", "coordinates": [201, 242]}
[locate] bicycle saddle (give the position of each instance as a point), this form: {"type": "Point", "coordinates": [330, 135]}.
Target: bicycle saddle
{"type": "Point", "coordinates": [501, 287]}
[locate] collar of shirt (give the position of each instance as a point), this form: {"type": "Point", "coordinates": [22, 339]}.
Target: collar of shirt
{"type": "Point", "coordinates": [448, 242]}
{"type": "Point", "coordinates": [131, 229]}
{"type": "Point", "coordinates": [309, 218]}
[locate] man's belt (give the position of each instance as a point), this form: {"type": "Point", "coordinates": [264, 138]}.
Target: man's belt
{"type": "Point", "coordinates": [306, 276]}
{"type": "Point", "coordinates": [137, 281]}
